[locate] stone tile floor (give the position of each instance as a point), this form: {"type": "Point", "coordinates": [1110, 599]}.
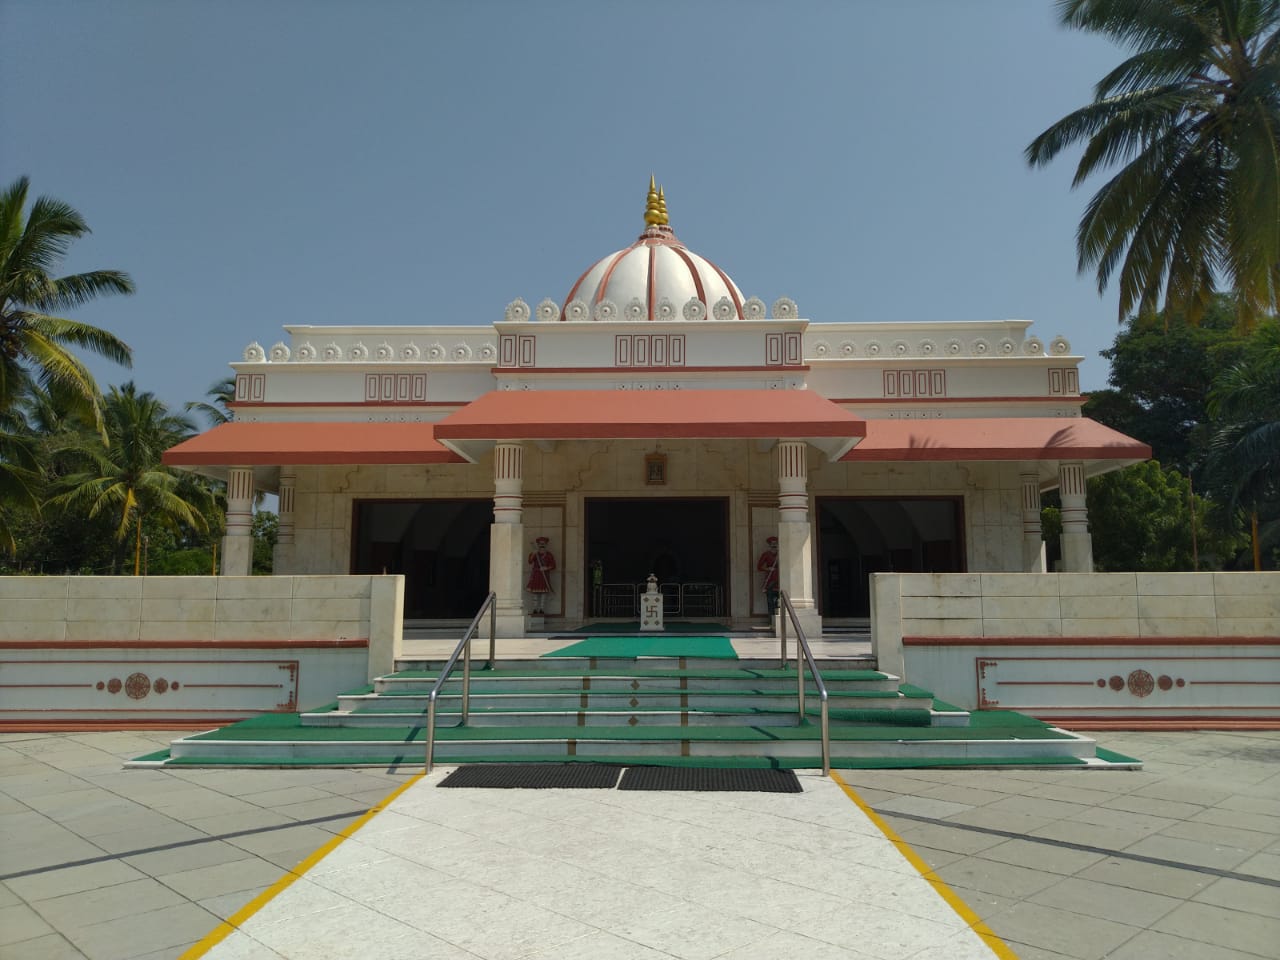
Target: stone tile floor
{"type": "Point", "coordinates": [1179, 860]}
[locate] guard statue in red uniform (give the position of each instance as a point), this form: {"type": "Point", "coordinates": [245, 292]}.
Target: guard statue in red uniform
{"type": "Point", "coordinates": [541, 562]}
{"type": "Point", "coordinates": [768, 565]}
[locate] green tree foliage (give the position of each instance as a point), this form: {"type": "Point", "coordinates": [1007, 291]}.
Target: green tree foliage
{"type": "Point", "coordinates": [33, 342]}
{"type": "Point", "coordinates": [1192, 119]}
{"type": "Point", "coordinates": [1162, 369]}
{"type": "Point", "coordinates": [266, 529]}
{"type": "Point", "coordinates": [124, 480]}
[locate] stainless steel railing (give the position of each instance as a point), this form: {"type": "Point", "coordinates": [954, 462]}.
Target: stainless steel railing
{"type": "Point", "coordinates": [802, 647]}
{"type": "Point", "coordinates": [463, 649]}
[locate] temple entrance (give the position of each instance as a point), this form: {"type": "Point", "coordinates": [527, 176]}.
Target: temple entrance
{"type": "Point", "coordinates": [441, 547]}
{"type": "Point", "coordinates": [684, 542]}
{"type": "Point", "coordinates": [858, 536]}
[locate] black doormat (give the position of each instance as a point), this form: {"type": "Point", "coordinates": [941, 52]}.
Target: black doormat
{"type": "Point", "coordinates": [710, 779]}
{"type": "Point", "coordinates": [534, 776]}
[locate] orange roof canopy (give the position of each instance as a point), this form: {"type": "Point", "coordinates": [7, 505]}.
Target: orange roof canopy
{"type": "Point", "coordinates": [997, 438]}
{"type": "Point", "coordinates": [287, 444]}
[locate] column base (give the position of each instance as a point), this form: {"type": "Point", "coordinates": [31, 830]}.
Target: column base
{"type": "Point", "coordinates": [513, 626]}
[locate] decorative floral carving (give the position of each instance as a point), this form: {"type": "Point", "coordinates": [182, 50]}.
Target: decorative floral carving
{"type": "Point", "coordinates": [359, 351]}
{"type": "Point", "coordinates": [306, 352]}
{"type": "Point", "coordinates": [1033, 346]}
{"type": "Point", "coordinates": [980, 347]}
{"type": "Point", "coordinates": [461, 352]}
{"type": "Point", "coordinates": [410, 351]}
{"type": "Point", "coordinates": [254, 353]}
{"type": "Point", "coordinates": [928, 348]}
{"type": "Point", "coordinates": [753, 309]}
{"type": "Point", "coordinates": [385, 351]}
{"type": "Point", "coordinates": [847, 348]}
{"type": "Point", "coordinates": [605, 311]}
{"type": "Point", "coordinates": [955, 347]}
{"type": "Point", "coordinates": [548, 310]}
{"type": "Point", "coordinates": [576, 310]}
{"type": "Point", "coordinates": [280, 353]}
{"type": "Point", "coordinates": [332, 351]}
{"type": "Point", "coordinates": [487, 351]}
{"type": "Point", "coordinates": [435, 351]}
{"type": "Point", "coordinates": [137, 686]}
{"type": "Point", "coordinates": [724, 309]}
{"type": "Point", "coordinates": [1007, 346]}
{"type": "Point", "coordinates": [873, 348]}
{"type": "Point", "coordinates": [517, 311]}
{"type": "Point", "coordinates": [822, 348]}
{"type": "Point", "coordinates": [1141, 683]}
{"type": "Point", "coordinates": [784, 308]}
{"type": "Point", "coordinates": [1059, 346]}
{"type": "Point", "coordinates": [666, 310]}
{"type": "Point", "coordinates": [695, 309]}
{"type": "Point", "coordinates": [160, 686]}
{"type": "Point", "coordinates": [634, 310]}
{"type": "Point", "coordinates": [114, 685]}
{"type": "Point", "coordinates": [900, 348]}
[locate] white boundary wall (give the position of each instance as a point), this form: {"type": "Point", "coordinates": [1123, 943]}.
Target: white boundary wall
{"type": "Point", "coordinates": [1176, 647]}
{"type": "Point", "coordinates": [189, 649]}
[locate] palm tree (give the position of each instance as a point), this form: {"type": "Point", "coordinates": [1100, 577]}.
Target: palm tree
{"type": "Point", "coordinates": [124, 478]}
{"type": "Point", "coordinates": [1193, 118]}
{"type": "Point", "coordinates": [217, 408]}
{"type": "Point", "coordinates": [1244, 451]}
{"type": "Point", "coordinates": [32, 340]}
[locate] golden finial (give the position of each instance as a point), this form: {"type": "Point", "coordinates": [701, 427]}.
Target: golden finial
{"type": "Point", "coordinates": [653, 214]}
{"type": "Point", "coordinates": [662, 207]}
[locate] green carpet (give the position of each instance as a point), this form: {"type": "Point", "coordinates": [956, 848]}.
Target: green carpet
{"type": "Point", "coordinates": [654, 645]}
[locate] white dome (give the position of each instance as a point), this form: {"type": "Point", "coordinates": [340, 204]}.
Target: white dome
{"type": "Point", "coordinates": [656, 268]}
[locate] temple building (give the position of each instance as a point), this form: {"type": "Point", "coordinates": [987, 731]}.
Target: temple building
{"type": "Point", "coordinates": [657, 421]}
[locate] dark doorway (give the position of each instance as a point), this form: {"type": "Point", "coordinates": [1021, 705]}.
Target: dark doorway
{"type": "Point", "coordinates": [685, 543]}
{"type": "Point", "coordinates": [441, 547]}
{"type": "Point", "coordinates": [865, 535]}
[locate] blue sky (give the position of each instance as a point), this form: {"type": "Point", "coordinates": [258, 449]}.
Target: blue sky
{"type": "Point", "coordinates": [254, 163]}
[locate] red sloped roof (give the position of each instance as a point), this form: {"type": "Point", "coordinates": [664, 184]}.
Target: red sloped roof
{"type": "Point", "coordinates": [285, 444]}
{"type": "Point", "coordinates": [649, 415]}
{"type": "Point", "coordinates": [996, 438]}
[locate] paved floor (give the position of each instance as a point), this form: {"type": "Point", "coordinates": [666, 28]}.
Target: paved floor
{"type": "Point", "coordinates": [1179, 860]}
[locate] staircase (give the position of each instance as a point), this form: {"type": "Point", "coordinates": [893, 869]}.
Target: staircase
{"type": "Point", "coordinates": [648, 710]}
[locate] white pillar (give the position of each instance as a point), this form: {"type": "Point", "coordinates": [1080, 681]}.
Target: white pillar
{"type": "Point", "coordinates": [506, 539]}
{"type": "Point", "coordinates": [237, 545]}
{"type": "Point", "coordinates": [1077, 545]}
{"type": "Point", "coordinates": [1032, 536]}
{"type": "Point", "coordinates": [795, 536]}
{"type": "Point", "coordinates": [282, 558]}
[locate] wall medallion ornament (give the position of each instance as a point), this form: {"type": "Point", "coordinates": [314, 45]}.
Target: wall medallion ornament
{"type": "Point", "coordinates": [822, 348]}
{"type": "Point", "coordinates": [306, 352]}
{"type": "Point", "coordinates": [359, 351]}
{"type": "Point", "coordinates": [461, 352]}
{"type": "Point", "coordinates": [1033, 346]}
{"type": "Point", "coordinates": [900, 348]}
{"type": "Point", "coordinates": [928, 348]}
{"type": "Point", "coordinates": [487, 351]}
{"type": "Point", "coordinates": [137, 686]}
{"type": "Point", "coordinates": [634, 310]}
{"type": "Point", "coordinates": [435, 351]}
{"type": "Point", "coordinates": [410, 352]}
{"type": "Point", "coordinates": [254, 353]}
{"type": "Point", "coordinates": [280, 353]}
{"type": "Point", "coordinates": [753, 309]}
{"type": "Point", "coordinates": [980, 347]}
{"type": "Point", "coordinates": [385, 351]}
{"type": "Point", "coordinates": [847, 348]}
{"type": "Point", "coordinates": [1059, 346]}
{"type": "Point", "coordinates": [724, 309]}
{"type": "Point", "coordinates": [784, 308]}
{"type": "Point", "coordinates": [694, 309]}
{"type": "Point", "coordinates": [954, 347]}
{"type": "Point", "coordinates": [517, 311]}
{"type": "Point", "coordinates": [873, 348]}
{"type": "Point", "coordinates": [1141, 683]}
{"type": "Point", "coordinates": [666, 310]}
{"type": "Point", "coordinates": [332, 352]}
{"type": "Point", "coordinates": [576, 310]}
{"type": "Point", "coordinates": [548, 310]}
{"type": "Point", "coordinates": [605, 311]}
{"type": "Point", "coordinates": [1007, 346]}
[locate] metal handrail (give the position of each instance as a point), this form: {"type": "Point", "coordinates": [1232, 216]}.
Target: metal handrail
{"type": "Point", "coordinates": [802, 646]}
{"type": "Point", "coordinates": [463, 649]}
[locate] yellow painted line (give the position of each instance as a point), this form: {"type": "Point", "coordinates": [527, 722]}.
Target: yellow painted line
{"type": "Point", "coordinates": [237, 919]}
{"type": "Point", "coordinates": [998, 946]}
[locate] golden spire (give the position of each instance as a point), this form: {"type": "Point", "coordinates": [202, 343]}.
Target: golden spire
{"type": "Point", "coordinates": [653, 212]}
{"type": "Point", "coordinates": [662, 207]}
